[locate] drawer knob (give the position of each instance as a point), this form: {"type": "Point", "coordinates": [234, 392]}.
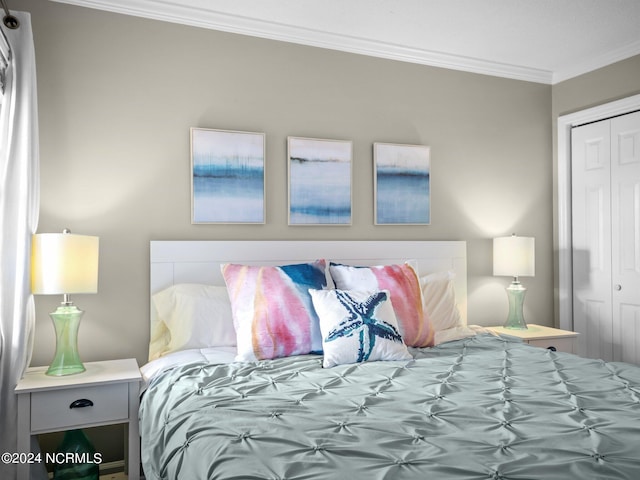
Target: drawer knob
{"type": "Point", "coordinates": [81, 403]}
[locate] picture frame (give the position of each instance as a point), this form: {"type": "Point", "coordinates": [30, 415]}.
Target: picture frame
{"type": "Point", "coordinates": [320, 181]}
{"type": "Point", "coordinates": [227, 176]}
{"type": "Point", "coordinates": [402, 184]}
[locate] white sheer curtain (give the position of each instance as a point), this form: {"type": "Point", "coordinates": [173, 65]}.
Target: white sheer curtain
{"type": "Point", "coordinates": [19, 204]}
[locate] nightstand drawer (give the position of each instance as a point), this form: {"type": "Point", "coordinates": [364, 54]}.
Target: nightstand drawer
{"type": "Point", "coordinates": [560, 344]}
{"type": "Point", "coordinates": [52, 410]}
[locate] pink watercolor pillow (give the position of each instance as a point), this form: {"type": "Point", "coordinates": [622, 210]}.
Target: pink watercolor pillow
{"type": "Point", "coordinates": [272, 309]}
{"type": "Point", "coordinates": [406, 296]}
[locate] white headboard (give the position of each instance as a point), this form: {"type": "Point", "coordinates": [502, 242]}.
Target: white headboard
{"type": "Point", "coordinates": [174, 262]}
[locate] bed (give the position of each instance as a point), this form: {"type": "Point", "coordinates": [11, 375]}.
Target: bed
{"type": "Point", "coordinates": [456, 402]}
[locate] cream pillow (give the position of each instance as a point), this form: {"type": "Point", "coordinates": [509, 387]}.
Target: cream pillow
{"type": "Point", "coordinates": [195, 316]}
{"type": "Point", "coordinates": [439, 299]}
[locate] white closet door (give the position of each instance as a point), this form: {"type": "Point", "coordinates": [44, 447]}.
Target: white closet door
{"type": "Point", "coordinates": [591, 236]}
{"type": "Point", "coordinates": [625, 198]}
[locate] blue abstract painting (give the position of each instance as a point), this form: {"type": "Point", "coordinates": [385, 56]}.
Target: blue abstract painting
{"type": "Point", "coordinates": [319, 181]}
{"type": "Point", "coordinates": [402, 184]}
{"type": "Point", "coordinates": [227, 177]}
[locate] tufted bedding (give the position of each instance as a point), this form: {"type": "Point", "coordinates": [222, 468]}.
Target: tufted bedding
{"type": "Point", "coordinates": [477, 408]}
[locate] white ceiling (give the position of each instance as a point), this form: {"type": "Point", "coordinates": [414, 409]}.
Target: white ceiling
{"type": "Point", "coordinates": [543, 41]}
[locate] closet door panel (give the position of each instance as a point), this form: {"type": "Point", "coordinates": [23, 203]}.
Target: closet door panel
{"type": "Point", "coordinates": [591, 230]}
{"type": "Point", "coordinates": [596, 330]}
{"type": "Point", "coordinates": [629, 350]}
{"type": "Point", "coordinates": [625, 223]}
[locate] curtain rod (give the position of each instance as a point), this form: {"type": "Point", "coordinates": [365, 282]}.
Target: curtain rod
{"type": "Point", "coordinates": [9, 20]}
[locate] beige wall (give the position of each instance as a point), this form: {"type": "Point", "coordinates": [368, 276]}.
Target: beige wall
{"type": "Point", "coordinates": [619, 80]}
{"type": "Point", "coordinates": [118, 94]}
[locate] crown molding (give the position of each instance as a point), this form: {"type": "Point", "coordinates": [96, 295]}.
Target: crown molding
{"type": "Point", "coordinates": [595, 63]}
{"type": "Point", "coordinates": [206, 18]}
{"type": "Point", "coordinates": [181, 13]}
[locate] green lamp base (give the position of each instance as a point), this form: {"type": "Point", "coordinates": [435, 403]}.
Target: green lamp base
{"type": "Point", "coordinates": [66, 321]}
{"type": "Point", "coordinates": [515, 319]}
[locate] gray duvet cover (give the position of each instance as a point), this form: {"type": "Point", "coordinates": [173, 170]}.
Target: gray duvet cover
{"type": "Point", "coordinates": [479, 408]}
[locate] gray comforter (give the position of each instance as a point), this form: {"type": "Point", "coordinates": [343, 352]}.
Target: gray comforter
{"type": "Point", "coordinates": [479, 408]}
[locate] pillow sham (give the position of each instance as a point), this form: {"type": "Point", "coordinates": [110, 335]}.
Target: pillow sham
{"type": "Point", "coordinates": [272, 309]}
{"type": "Point", "coordinates": [440, 300]}
{"type": "Point", "coordinates": [191, 316]}
{"type": "Point", "coordinates": [406, 295]}
{"type": "Point", "coordinates": [358, 327]}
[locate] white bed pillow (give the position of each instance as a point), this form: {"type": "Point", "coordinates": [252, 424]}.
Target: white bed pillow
{"type": "Point", "coordinates": [195, 316]}
{"type": "Point", "coordinates": [358, 327]}
{"type": "Point", "coordinates": [439, 298]}
{"type": "Point", "coordinates": [460, 332]}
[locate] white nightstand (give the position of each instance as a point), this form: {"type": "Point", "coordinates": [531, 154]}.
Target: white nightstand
{"type": "Point", "coordinates": [105, 394]}
{"type": "Point", "coordinates": [544, 337]}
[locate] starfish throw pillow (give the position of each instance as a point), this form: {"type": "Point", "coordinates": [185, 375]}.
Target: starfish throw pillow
{"type": "Point", "coordinates": [404, 286]}
{"type": "Point", "coordinates": [358, 327]}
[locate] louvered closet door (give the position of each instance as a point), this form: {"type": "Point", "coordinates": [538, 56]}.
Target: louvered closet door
{"type": "Point", "coordinates": [605, 163]}
{"type": "Point", "coordinates": [591, 236]}
{"type": "Point", "coordinates": [625, 206]}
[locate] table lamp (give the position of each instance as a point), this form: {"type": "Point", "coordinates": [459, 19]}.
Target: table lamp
{"type": "Point", "coordinates": [62, 264]}
{"type": "Point", "coordinates": [514, 257]}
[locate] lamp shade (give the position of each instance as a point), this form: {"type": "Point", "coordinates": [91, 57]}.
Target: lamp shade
{"type": "Point", "coordinates": [514, 256]}
{"type": "Point", "coordinates": [64, 263]}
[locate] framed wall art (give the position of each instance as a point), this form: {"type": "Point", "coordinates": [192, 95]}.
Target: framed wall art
{"type": "Point", "coordinates": [402, 184]}
{"type": "Point", "coordinates": [319, 181]}
{"type": "Point", "coordinates": [227, 176]}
